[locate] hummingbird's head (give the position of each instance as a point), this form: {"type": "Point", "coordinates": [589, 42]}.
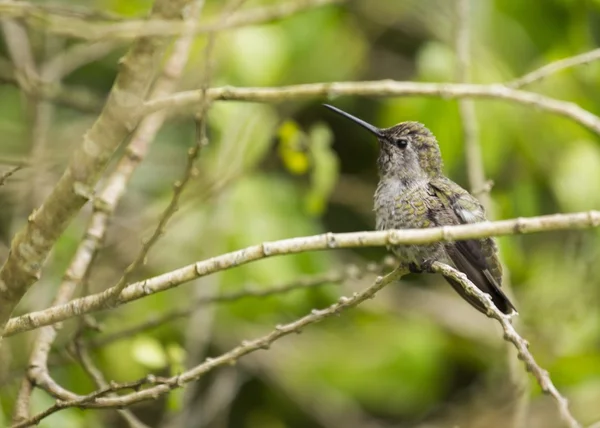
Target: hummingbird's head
{"type": "Point", "coordinates": [406, 150]}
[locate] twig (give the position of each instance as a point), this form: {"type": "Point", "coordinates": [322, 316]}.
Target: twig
{"type": "Point", "coordinates": [308, 282]}
{"type": "Point", "coordinates": [554, 67]}
{"type": "Point", "coordinates": [19, 48]}
{"type": "Point", "coordinates": [190, 171]}
{"type": "Point", "coordinates": [511, 335]}
{"type": "Point", "coordinates": [24, 71]}
{"type": "Point", "coordinates": [94, 372]}
{"type": "Point", "coordinates": [7, 174]}
{"type": "Point", "coordinates": [98, 399]}
{"type": "Point", "coordinates": [21, 411]}
{"type": "Point", "coordinates": [14, 161]}
{"type": "Point", "coordinates": [326, 241]}
{"type": "Point", "coordinates": [382, 88]}
{"type": "Point", "coordinates": [31, 245]}
{"type": "Point", "coordinates": [474, 160]}
{"type": "Point", "coordinates": [334, 277]}
{"type": "Point", "coordinates": [90, 30]}
{"type": "Point", "coordinates": [81, 400]}
{"type": "Point", "coordinates": [478, 184]}
{"type": "Point", "coordinates": [75, 57]}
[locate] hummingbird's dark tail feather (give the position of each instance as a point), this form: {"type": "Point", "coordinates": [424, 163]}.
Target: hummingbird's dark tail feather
{"type": "Point", "coordinates": [482, 279]}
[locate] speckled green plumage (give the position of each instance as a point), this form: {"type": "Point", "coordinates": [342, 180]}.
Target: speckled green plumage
{"type": "Point", "coordinates": [411, 196]}
{"type": "Point", "coordinates": [414, 193]}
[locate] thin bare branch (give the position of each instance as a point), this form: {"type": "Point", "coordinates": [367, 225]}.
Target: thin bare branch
{"type": "Point", "coordinates": [474, 159]}
{"type": "Point", "coordinates": [382, 88]}
{"type": "Point", "coordinates": [75, 57]}
{"type": "Point", "coordinates": [172, 207]}
{"type": "Point", "coordinates": [21, 411]}
{"type": "Point", "coordinates": [70, 26]}
{"type": "Point", "coordinates": [99, 399]}
{"type": "Point", "coordinates": [81, 400]}
{"type": "Point", "coordinates": [326, 241]}
{"type": "Point", "coordinates": [511, 335]}
{"type": "Point", "coordinates": [7, 174]}
{"type": "Point", "coordinates": [554, 67]}
{"type": "Point", "coordinates": [94, 372]}
{"type": "Point", "coordinates": [334, 277]}
{"type": "Point", "coordinates": [19, 49]}
{"type": "Point", "coordinates": [14, 161]}
{"type": "Point", "coordinates": [190, 172]}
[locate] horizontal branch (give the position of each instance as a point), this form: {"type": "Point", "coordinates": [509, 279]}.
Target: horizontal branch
{"type": "Point", "coordinates": [329, 278]}
{"type": "Point", "coordinates": [86, 28]}
{"type": "Point", "coordinates": [555, 67]}
{"type": "Point", "coordinates": [95, 302]}
{"type": "Point", "coordinates": [380, 88]}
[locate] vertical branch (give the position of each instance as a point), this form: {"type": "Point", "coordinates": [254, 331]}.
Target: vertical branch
{"type": "Point", "coordinates": [25, 72]}
{"type": "Point", "coordinates": [476, 175]}
{"type": "Point", "coordinates": [478, 184]}
{"type": "Point", "coordinates": [21, 54]}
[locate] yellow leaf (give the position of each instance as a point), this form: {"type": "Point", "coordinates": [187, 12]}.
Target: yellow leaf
{"type": "Point", "coordinates": [292, 148]}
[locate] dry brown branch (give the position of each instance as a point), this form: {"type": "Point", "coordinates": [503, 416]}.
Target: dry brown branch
{"type": "Point", "coordinates": [87, 29]}
{"type": "Point", "coordinates": [98, 399]}
{"type": "Point", "coordinates": [555, 67]}
{"type": "Point", "coordinates": [31, 245]}
{"type": "Point", "coordinates": [326, 241]}
{"type": "Point", "coordinates": [511, 335]}
{"type": "Point", "coordinates": [382, 88]}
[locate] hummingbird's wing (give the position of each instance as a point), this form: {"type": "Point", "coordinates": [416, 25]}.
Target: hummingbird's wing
{"type": "Point", "coordinates": [477, 258]}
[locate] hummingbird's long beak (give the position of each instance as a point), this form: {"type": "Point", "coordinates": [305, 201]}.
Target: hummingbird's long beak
{"type": "Point", "coordinates": [361, 122]}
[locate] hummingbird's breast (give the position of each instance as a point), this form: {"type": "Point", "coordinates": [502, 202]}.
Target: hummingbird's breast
{"type": "Point", "coordinates": [399, 204]}
{"type": "Point", "coordinates": [407, 205]}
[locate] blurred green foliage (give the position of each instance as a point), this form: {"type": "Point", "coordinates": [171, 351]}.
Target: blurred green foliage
{"type": "Point", "coordinates": [417, 353]}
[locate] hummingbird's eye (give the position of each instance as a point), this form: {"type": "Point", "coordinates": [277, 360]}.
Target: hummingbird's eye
{"type": "Point", "coordinates": [400, 142]}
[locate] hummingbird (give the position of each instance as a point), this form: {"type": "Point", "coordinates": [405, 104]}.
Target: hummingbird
{"type": "Point", "coordinates": [414, 193]}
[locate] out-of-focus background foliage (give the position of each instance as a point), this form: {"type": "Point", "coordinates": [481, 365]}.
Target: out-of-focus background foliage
{"type": "Point", "coordinates": [417, 355]}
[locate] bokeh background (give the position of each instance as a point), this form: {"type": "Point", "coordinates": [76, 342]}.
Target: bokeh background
{"type": "Point", "coordinates": [416, 355]}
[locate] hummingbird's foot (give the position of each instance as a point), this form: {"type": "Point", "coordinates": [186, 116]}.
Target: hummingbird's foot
{"type": "Point", "coordinates": [426, 266]}
{"type": "Point", "coordinates": [414, 268]}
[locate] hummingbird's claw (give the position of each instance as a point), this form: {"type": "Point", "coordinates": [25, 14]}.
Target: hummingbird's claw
{"type": "Point", "coordinates": [414, 268]}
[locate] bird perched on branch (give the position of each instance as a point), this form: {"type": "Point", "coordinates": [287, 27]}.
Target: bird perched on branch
{"type": "Point", "coordinates": [413, 193]}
